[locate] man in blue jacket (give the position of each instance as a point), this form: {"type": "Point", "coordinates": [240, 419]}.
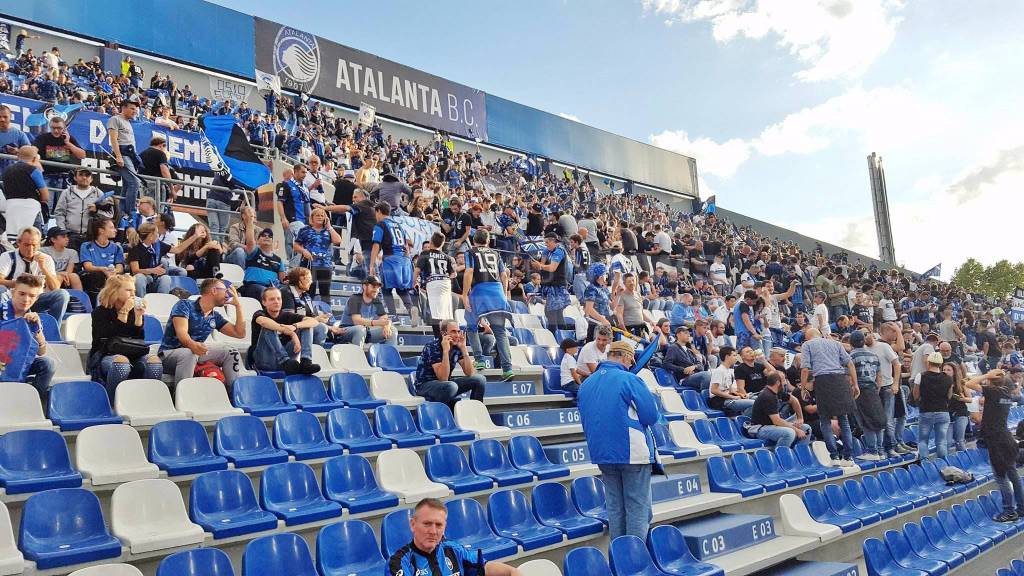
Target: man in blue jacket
{"type": "Point", "coordinates": [616, 408]}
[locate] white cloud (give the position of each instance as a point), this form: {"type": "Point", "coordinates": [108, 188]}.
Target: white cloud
{"type": "Point", "coordinates": [718, 158]}
{"type": "Point", "coordinates": [833, 38]}
{"type": "Point", "coordinates": [572, 117]}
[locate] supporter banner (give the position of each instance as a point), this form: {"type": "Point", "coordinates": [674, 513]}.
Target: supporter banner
{"type": "Point", "coordinates": [223, 89]}
{"type": "Point", "coordinates": [367, 113]}
{"type": "Point", "coordinates": [418, 230]}
{"type": "Point", "coordinates": [5, 36]}
{"type": "Point", "coordinates": [309, 64]}
{"type": "Point", "coordinates": [90, 130]}
{"type": "Point", "coordinates": [267, 82]}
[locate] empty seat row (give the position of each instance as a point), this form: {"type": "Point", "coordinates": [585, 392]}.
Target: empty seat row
{"type": "Point", "coordinates": [766, 470]}
{"type": "Point", "coordinates": [665, 552]}
{"type": "Point", "coordinates": [940, 543]}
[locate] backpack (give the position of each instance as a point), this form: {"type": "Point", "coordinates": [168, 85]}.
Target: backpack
{"type": "Point", "coordinates": [954, 475]}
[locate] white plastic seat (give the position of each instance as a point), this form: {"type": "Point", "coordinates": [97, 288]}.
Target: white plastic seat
{"type": "Point", "coordinates": [537, 309]}
{"type": "Point", "coordinates": [203, 399]}
{"type": "Point", "coordinates": [223, 340]}
{"type": "Point", "coordinates": [68, 362]}
{"type": "Point", "coordinates": [11, 559]}
{"type": "Point", "coordinates": [78, 330]}
{"type": "Point", "coordinates": [232, 273]}
{"type": "Point", "coordinates": [673, 404]}
{"type": "Point", "coordinates": [112, 453]}
{"type": "Point", "coordinates": [539, 568]}
{"type": "Point", "coordinates": [159, 305]}
{"type": "Point", "coordinates": [573, 311]}
{"type": "Point", "coordinates": [145, 402]}
{"type": "Point", "coordinates": [519, 358]}
{"type": "Point", "coordinates": [544, 337]}
{"type": "Point", "coordinates": [473, 415]}
{"type": "Point", "coordinates": [528, 321]}
{"type": "Point", "coordinates": [460, 317]}
{"type": "Point", "coordinates": [352, 358]}
{"type": "Point", "coordinates": [648, 377]}
{"type": "Point", "coordinates": [21, 408]}
{"type": "Point", "coordinates": [150, 515]}
{"type": "Point", "coordinates": [108, 570]}
{"type": "Point", "coordinates": [327, 368]}
{"type": "Point", "coordinates": [656, 315]}
{"type": "Point", "coordinates": [250, 306]}
{"type": "Point", "coordinates": [820, 451]}
{"type": "Point", "coordinates": [798, 522]}
{"type": "Point", "coordinates": [682, 434]}
{"type": "Point", "coordinates": [401, 471]}
{"type": "Point", "coordinates": [391, 386]}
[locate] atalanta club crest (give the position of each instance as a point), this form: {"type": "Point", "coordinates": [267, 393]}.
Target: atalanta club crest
{"type": "Point", "coordinates": [297, 59]}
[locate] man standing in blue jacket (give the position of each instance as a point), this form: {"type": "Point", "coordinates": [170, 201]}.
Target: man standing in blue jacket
{"type": "Point", "coordinates": [616, 408]}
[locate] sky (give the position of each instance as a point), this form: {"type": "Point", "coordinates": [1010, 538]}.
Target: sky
{"type": "Point", "coordinates": [780, 101]}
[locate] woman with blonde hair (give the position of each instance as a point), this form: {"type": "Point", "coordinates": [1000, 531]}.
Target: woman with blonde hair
{"type": "Point", "coordinates": [119, 316]}
{"type": "Point", "coordinates": [315, 243]}
{"type": "Point", "coordinates": [958, 414]}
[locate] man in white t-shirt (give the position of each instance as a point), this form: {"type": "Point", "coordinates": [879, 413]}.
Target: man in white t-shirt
{"type": "Point", "coordinates": [888, 308]}
{"type": "Point", "coordinates": [594, 352]}
{"type": "Point", "coordinates": [718, 275]}
{"type": "Point", "coordinates": [724, 394]}
{"type": "Point", "coordinates": [569, 377]}
{"type": "Point", "coordinates": [820, 319]}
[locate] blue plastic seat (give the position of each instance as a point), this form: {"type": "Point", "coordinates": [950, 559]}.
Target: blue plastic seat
{"type": "Point", "coordinates": [524, 335]}
{"type": "Point", "coordinates": [552, 382]}
{"type": "Point", "coordinates": [82, 298]}
{"type": "Point", "coordinates": [541, 356]}
{"type": "Point", "coordinates": [488, 458]}
{"type": "Point", "coordinates": [51, 328]}
{"type": "Point", "coordinates": [917, 544]}
{"type": "Point", "coordinates": [285, 553]}
{"type": "Point", "coordinates": [952, 525]}
{"type": "Point", "coordinates": [184, 282]}
{"type": "Point", "coordinates": [510, 516]}
{"type": "Point", "coordinates": [819, 509]}
{"type": "Point", "coordinates": [881, 563]}
{"type": "Point", "coordinates": [859, 499]}
{"type": "Point", "coordinates": [628, 556]}
{"type": "Point", "coordinates": [788, 462]}
{"type": "Point", "coordinates": [910, 486]}
{"type": "Point", "coordinates": [395, 531]}
{"type": "Point", "coordinates": [671, 554]}
{"type": "Point", "coordinates": [948, 526]}
{"type": "Point", "coordinates": [589, 498]}
{"type": "Point", "coordinates": [300, 434]}
{"type": "Point", "coordinates": [892, 487]}
{"type": "Point", "coordinates": [349, 481]}
{"type": "Point", "coordinates": [694, 400]}
{"type": "Point", "coordinates": [947, 551]}
{"type": "Point", "coordinates": [351, 388]}
{"type": "Point", "coordinates": [527, 454]}
{"type": "Point", "coordinates": [35, 460]}
{"type": "Point", "coordinates": [932, 531]}
{"type": "Point", "coordinates": [747, 471]}
{"type": "Point", "coordinates": [467, 525]}
{"type": "Point", "coordinates": [727, 431]}
{"type": "Point", "coordinates": [395, 423]}
{"type": "Point", "coordinates": [258, 395]}
{"type": "Point", "coordinates": [64, 526]}
{"type": "Point", "coordinates": [436, 418]}
{"type": "Point", "coordinates": [665, 378]}
{"type": "Point", "coordinates": [182, 447]}
{"type": "Point", "coordinates": [901, 552]}
{"type": "Point", "coordinates": [152, 330]}
{"type": "Point", "coordinates": [665, 414]}
{"type": "Point", "coordinates": [307, 392]}
{"type": "Point", "coordinates": [290, 492]}
{"type": "Point", "coordinates": [971, 525]}
{"type": "Point", "coordinates": [988, 507]}
{"type": "Point", "coordinates": [771, 470]}
{"type": "Point", "coordinates": [224, 504]}
{"type": "Point", "coordinates": [876, 493]}
{"type": "Point", "coordinates": [552, 506]}
{"type": "Point", "coordinates": [197, 562]}
{"type": "Point", "coordinates": [585, 561]}
{"type": "Point", "coordinates": [351, 428]}
{"type": "Point", "coordinates": [447, 464]}
{"type": "Point", "coordinates": [927, 482]}
{"type": "Point", "coordinates": [840, 503]}
{"type": "Point", "coordinates": [722, 478]}
{"type": "Point", "coordinates": [809, 461]}
{"type": "Point", "coordinates": [667, 446]}
{"type": "Point", "coordinates": [389, 359]}
{"type": "Point", "coordinates": [857, 449]}
{"type": "Point", "coordinates": [80, 404]}
{"type": "Point", "coordinates": [707, 433]}
{"type": "Point", "coordinates": [349, 549]}
{"type": "Point", "coordinates": [244, 441]}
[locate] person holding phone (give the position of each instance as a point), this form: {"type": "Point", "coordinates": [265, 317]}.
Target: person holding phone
{"type": "Point", "coordinates": [119, 314]}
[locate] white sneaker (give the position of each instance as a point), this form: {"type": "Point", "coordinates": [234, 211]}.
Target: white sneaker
{"type": "Point", "coordinates": [837, 462]}
{"type": "Point", "coordinates": [869, 457]}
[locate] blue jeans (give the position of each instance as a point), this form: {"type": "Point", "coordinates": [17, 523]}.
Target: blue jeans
{"type": "Point", "coordinates": [783, 435]}
{"type": "Point", "coordinates": [825, 423]}
{"type": "Point", "coordinates": [958, 428]}
{"type": "Point", "coordinates": [129, 183]}
{"type": "Point", "coordinates": [270, 352]}
{"type": "Point", "coordinates": [927, 424]}
{"type": "Point", "coordinates": [1010, 496]}
{"type": "Point", "coordinates": [893, 433]}
{"type": "Point", "coordinates": [112, 375]}
{"type": "Point", "coordinates": [218, 221]}
{"type": "Point", "coordinates": [54, 303]}
{"type": "Point", "coordinates": [873, 442]}
{"type": "Point", "coordinates": [40, 373]}
{"type": "Point", "coordinates": [359, 335]}
{"type": "Point", "coordinates": [55, 183]}
{"type": "Point", "coordinates": [497, 322]}
{"type": "Point", "coordinates": [236, 256]}
{"type": "Point", "coordinates": [143, 283]}
{"type": "Point", "coordinates": [628, 497]}
{"type": "Point", "coordinates": [736, 406]}
{"type": "Point", "coordinates": [698, 381]}
{"type": "Point", "coordinates": [445, 391]}
{"type": "Point", "coordinates": [744, 339]}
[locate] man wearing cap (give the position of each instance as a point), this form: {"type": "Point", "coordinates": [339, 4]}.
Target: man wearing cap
{"type": "Point", "coordinates": [684, 362]}
{"type": "Point", "coordinates": [364, 312]}
{"type": "Point", "coordinates": [263, 268]}
{"type": "Point", "coordinates": [932, 389]}
{"type": "Point", "coordinates": [554, 266]}
{"type": "Point", "coordinates": [456, 224]}
{"type": "Point", "coordinates": [616, 409]}
{"type": "Point", "coordinates": [122, 146]}
{"type": "Point", "coordinates": [835, 389]}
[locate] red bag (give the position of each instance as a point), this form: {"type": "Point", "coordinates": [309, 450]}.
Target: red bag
{"type": "Point", "coordinates": [209, 370]}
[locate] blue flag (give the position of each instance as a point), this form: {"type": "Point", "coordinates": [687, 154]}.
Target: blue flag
{"type": "Point", "coordinates": [708, 207]}
{"type": "Point", "coordinates": [933, 271]}
{"type": "Point", "coordinates": [226, 149]}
